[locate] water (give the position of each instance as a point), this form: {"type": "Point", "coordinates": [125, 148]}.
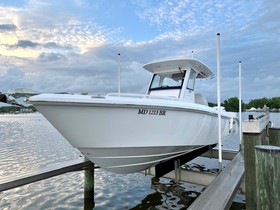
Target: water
{"type": "Point", "coordinates": [28, 142]}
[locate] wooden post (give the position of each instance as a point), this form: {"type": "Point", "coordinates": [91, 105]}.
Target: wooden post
{"type": "Point", "coordinates": [268, 177]}
{"type": "Point", "coordinates": [274, 136]}
{"type": "Point", "coordinates": [176, 170]}
{"type": "Point", "coordinates": [254, 133]}
{"type": "Point", "coordinates": [250, 141]}
{"type": "Point", "coordinates": [89, 189]}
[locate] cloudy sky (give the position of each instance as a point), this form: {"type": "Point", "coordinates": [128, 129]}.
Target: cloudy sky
{"type": "Point", "coordinates": [73, 45]}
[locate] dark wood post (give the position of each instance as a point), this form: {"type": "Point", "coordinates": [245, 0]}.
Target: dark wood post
{"type": "Point", "coordinates": [250, 141]}
{"type": "Point", "coordinates": [274, 136]}
{"type": "Point", "coordinates": [267, 177]}
{"type": "Point", "coordinates": [89, 189]}
{"type": "Point", "coordinates": [254, 133]}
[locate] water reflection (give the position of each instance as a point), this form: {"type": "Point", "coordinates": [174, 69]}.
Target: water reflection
{"type": "Point", "coordinates": [169, 195]}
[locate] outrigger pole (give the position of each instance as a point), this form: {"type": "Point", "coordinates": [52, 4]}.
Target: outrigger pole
{"type": "Point", "coordinates": [240, 107]}
{"type": "Point", "coordinates": [119, 74]}
{"type": "Point", "coordinates": [219, 103]}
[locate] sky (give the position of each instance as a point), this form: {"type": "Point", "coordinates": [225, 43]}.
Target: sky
{"type": "Point", "coordinates": [73, 45]}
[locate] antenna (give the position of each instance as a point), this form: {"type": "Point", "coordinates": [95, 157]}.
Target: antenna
{"type": "Point", "coordinates": [219, 103]}
{"type": "Point", "coordinates": [240, 105]}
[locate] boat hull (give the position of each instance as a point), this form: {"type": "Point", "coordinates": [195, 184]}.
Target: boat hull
{"type": "Point", "coordinates": [133, 159]}
{"type": "Point", "coordinates": [126, 138]}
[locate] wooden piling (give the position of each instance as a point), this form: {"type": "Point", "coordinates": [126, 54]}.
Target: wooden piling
{"type": "Point", "coordinates": [250, 141]}
{"type": "Point", "coordinates": [254, 133]}
{"type": "Point", "coordinates": [268, 177]}
{"type": "Point", "coordinates": [274, 136]}
{"type": "Point", "coordinates": [89, 189]}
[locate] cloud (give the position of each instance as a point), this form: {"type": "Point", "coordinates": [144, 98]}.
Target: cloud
{"type": "Point", "coordinates": [7, 27]}
{"type": "Point", "coordinates": [25, 44]}
{"type": "Point", "coordinates": [53, 45]}
{"type": "Point", "coordinates": [93, 72]}
{"type": "Point", "coordinates": [36, 45]}
{"type": "Point", "coordinates": [78, 45]}
{"type": "Point", "coordinates": [194, 17]}
{"type": "Point", "coordinates": [14, 77]}
{"type": "Point", "coordinates": [42, 24]}
{"type": "Point", "coordinates": [9, 62]}
{"type": "Point", "coordinates": [47, 57]}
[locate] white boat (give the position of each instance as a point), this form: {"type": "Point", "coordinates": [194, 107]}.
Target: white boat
{"type": "Point", "coordinates": [125, 133]}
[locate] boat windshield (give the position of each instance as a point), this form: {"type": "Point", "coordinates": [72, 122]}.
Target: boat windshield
{"type": "Point", "coordinates": [167, 81]}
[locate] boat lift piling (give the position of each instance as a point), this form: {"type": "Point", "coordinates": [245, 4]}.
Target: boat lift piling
{"type": "Point", "coordinates": [274, 136]}
{"type": "Point", "coordinates": [89, 188]}
{"type": "Point", "coordinates": [267, 176]}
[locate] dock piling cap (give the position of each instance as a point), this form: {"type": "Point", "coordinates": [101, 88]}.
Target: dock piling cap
{"type": "Point", "coordinates": [268, 149]}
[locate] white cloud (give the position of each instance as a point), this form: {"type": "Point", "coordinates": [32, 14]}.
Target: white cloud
{"type": "Point", "coordinates": [79, 53]}
{"type": "Point", "coordinates": [42, 22]}
{"type": "Point", "coordinates": [198, 16]}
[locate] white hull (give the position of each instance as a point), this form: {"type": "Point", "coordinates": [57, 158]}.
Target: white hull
{"type": "Point", "coordinates": [133, 159]}
{"type": "Point", "coordinates": [124, 136]}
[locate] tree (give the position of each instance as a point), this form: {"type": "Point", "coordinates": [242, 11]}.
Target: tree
{"type": "Point", "coordinates": [232, 104]}
{"type": "Point", "coordinates": [274, 103]}
{"type": "Point", "coordinates": [212, 104]}
{"type": "Point", "coordinates": [259, 103]}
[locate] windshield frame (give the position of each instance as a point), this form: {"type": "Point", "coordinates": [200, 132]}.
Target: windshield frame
{"type": "Point", "coordinates": [166, 80]}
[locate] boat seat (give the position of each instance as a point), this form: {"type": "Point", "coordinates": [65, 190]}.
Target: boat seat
{"type": "Point", "coordinates": [200, 99]}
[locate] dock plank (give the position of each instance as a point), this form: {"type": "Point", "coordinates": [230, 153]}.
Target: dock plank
{"type": "Point", "coordinates": [220, 193]}
{"type": "Point", "coordinates": [44, 173]}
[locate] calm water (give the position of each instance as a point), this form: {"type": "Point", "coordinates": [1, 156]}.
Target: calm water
{"type": "Point", "coordinates": [28, 142]}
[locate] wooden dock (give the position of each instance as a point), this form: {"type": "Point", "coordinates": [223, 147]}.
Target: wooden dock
{"type": "Point", "coordinates": [220, 193]}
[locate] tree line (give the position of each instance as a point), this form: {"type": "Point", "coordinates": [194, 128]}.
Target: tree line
{"type": "Point", "coordinates": [232, 104]}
